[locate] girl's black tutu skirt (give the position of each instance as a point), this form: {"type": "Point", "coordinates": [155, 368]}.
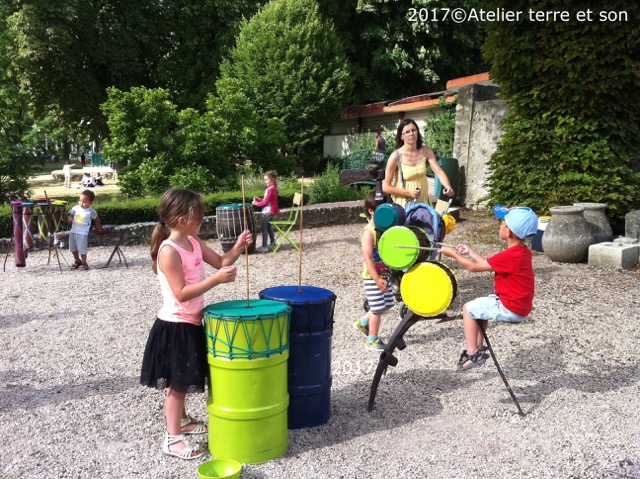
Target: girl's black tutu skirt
{"type": "Point", "coordinates": [175, 356]}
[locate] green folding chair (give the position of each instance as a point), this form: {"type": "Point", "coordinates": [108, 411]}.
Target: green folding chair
{"type": "Point", "coordinates": [285, 226]}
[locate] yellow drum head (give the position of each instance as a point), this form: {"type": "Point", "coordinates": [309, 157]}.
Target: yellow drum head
{"type": "Point", "coordinates": [428, 288]}
{"type": "Point", "coordinates": [452, 276]}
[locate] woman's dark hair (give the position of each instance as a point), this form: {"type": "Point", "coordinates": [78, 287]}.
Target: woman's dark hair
{"type": "Point", "coordinates": [401, 125]}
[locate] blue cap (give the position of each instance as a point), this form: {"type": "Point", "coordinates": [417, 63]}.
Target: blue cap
{"type": "Point", "coordinates": [521, 220]}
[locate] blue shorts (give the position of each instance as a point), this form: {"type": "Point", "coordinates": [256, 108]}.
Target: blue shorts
{"type": "Point", "coordinates": [78, 242]}
{"type": "Point", "coordinates": [490, 307]}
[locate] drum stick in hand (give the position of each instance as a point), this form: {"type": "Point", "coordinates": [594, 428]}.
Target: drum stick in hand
{"type": "Point", "coordinates": [246, 247]}
{"type": "Point", "coordinates": [424, 248]}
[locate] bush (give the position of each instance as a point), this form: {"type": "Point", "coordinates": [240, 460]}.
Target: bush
{"type": "Point", "coordinates": [326, 188]}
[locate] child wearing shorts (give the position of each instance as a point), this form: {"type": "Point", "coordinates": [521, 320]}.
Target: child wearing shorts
{"type": "Point", "coordinates": [80, 218]}
{"type": "Point", "coordinates": [513, 280]}
{"type": "Point", "coordinates": [375, 276]}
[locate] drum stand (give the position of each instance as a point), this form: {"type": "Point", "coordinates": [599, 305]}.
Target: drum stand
{"type": "Point", "coordinates": [53, 246]}
{"type": "Point", "coordinates": [396, 340]}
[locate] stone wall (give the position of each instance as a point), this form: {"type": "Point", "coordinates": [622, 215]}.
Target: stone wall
{"type": "Point", "coordinates": [479, 116]}
{"type": "Point", "coordinates": [313, 216]}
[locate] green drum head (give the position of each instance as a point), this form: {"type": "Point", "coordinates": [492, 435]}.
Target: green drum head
{"type": "Point", "coordinates": [237, 330]}
{"type": "Point", "coordinates": [394, 257]}
{"type": "Point", "coordinates": [239, 310]}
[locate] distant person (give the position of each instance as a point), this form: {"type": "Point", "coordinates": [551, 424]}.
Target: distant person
{"type": "Point", "coordinates": [381, 143]}
{"type": "Point", "coordinates": [97, 180]}
{"type": "Point", "coordinates": [66, 171]}
{"type": "Point", "coordinates": [87, 181]}
{"type": "Point", "coordinates": [513, 279]}
{"type": "Point", "coordinates": [83, 160]}
{"type": "Point", "coordinates": [80, 218]}
{"type": "Point", "coordinates": [175, 356]}
{"type": "Point", "coordinates": [380, 147]}
{"type": "Point", "coordinates": [406, 172]}
{"type": "Point", "coordinates": [375, 277]}
{"type": "Point", "coordinates": [269, 206]}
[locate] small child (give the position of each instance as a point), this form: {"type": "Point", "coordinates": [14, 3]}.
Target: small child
{"type": "Point", "coordinates": [514, 282]}
{"type": "Point", "coordinates": [80, 218]}
{"type": "Point", "coordinates": [175, 356]}
{"type": "Point", "coordinates": [269, 206]}
{"type": "Point", "coordinates": [375, 276]}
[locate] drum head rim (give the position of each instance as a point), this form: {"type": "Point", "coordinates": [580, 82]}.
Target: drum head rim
{"type": "Point", "coordinates": [407, 283]}
{"type": "Point", "coordinates": [408, 256]}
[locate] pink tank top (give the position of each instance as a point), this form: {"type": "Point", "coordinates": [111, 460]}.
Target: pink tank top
{"type": "Point", "coordinates": [193, 268]}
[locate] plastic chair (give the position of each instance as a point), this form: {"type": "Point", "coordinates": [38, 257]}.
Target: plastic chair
{"type": "Point", "coordinates": [285, 226]}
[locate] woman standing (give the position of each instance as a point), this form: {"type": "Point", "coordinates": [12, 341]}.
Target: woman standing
{"type": "Point", "coordinates": [406, 173]}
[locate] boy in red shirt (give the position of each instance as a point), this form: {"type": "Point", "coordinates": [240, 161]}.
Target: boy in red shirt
{"type": "Point", "coordinates": [514, 282]}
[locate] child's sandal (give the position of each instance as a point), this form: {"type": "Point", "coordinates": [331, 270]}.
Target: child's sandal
{"type": "Point", "coordinates": [187, 453]}
{"type": "Point", "coordinates": [468, 362]}
{"type": "Point", "coordinates": [199, 428]}
{"type": "Point", "coordinates": [84, 267]}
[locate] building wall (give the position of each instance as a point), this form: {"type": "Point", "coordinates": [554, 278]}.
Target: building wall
{"type": "Point", "coordinates": [479, 116]}
{"type": "Point", "coordinates": [337, 142]}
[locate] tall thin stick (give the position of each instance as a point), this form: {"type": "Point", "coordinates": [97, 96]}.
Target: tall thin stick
{"type": "Point", "coordinates": [246, 247]}
{"type": "Point", "coordinates": [301, 223]}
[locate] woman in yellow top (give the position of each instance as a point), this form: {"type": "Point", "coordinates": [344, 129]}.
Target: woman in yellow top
{"type": "Point", "coordinates": [405, 177]}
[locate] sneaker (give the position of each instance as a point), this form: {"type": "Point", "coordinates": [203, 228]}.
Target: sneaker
{"type": "Point", "coordinates": [262, 249]}
{"type": "Point", "coordinates": [363, 329]}
{"type": "Point", "coordinates": [375, 345]}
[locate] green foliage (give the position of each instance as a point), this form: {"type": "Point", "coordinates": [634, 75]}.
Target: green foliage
{"type": "Point", "coordinates": [396, 53]}
{"type": "Point", "coordinates": [291, 66]}
{"type": "Point", "coordinates": [439, 129]}
{"type": "Point", "coordinates": [15, 163]}
{"type": "Point", "coordinates": [573, 125]}
{"type": "Point", "coordinates": [166, 147]}
{"type": "Point", "coordinates": [326, 188]}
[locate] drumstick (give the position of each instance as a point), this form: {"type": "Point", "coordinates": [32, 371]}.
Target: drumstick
{"type": "Point", "coordinates": [246, 248]}
{"type": "Point", "coordinates": [300, 266]}
{"type": "Point", "coordinates": [424, 248]}
{"type": "Point", "coordinates": [445, 244]}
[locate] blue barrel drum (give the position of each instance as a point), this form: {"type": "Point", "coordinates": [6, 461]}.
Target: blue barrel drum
{"type": "Point", "coordinates": [309, 367]}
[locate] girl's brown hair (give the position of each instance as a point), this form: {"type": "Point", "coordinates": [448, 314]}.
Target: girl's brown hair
{"type": "Point", "coordinates": [272, 174]}
{"type": "Point", "coordinates": [175, 203]}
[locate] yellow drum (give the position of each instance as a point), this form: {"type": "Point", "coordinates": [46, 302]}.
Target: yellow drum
{"type": "Point", "coordinates": [429, 288]}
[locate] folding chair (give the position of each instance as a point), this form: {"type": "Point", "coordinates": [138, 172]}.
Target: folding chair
{"type": "Point", "coordinates": [285, 226]}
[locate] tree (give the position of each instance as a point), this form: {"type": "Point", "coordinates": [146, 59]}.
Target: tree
{"type": "Point", "coordinates": [402, 48]}
{"type": "Point", "coordinates": [15, 120]}
{"type": "Point", "coordinates": [289, 62]}
{"type": "Point", "coordinates": [573, 89]}
{"type": "Point", "coordinates": [164, 146]}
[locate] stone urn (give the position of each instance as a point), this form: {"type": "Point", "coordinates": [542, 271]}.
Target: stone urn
{"type": "Point", "coordinates": [568, 235]}
{"type": "Point", "coordinates": [595, 215]}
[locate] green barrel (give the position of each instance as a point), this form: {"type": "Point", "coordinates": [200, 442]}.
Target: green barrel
{"type": "Point", "coordinates": [450, 167]}
{"type": "Point", "coordinates": [248, 348]}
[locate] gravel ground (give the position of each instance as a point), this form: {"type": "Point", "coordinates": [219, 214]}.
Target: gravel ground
{"type": "Point", "coordinates": [71, 347]}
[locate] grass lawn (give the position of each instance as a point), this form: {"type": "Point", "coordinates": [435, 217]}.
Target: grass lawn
{"type": "Point", "coordinates": [43, 182]}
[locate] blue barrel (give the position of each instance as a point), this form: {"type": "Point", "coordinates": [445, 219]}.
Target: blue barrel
{"type": "Point", "coordinates": [309, 366]}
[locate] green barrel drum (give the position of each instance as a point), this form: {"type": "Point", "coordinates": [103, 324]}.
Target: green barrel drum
{"type": "Point", "coordinates": [248, 348]}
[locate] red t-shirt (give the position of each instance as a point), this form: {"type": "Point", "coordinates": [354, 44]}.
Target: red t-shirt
{"type": "Point", "coordinates": [514, 279]}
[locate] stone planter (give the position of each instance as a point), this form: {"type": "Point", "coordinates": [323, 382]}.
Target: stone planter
{"type": "Point", "coordinates": [595, 215]}
{"type": "Point", "coordinates": [568, 235]}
